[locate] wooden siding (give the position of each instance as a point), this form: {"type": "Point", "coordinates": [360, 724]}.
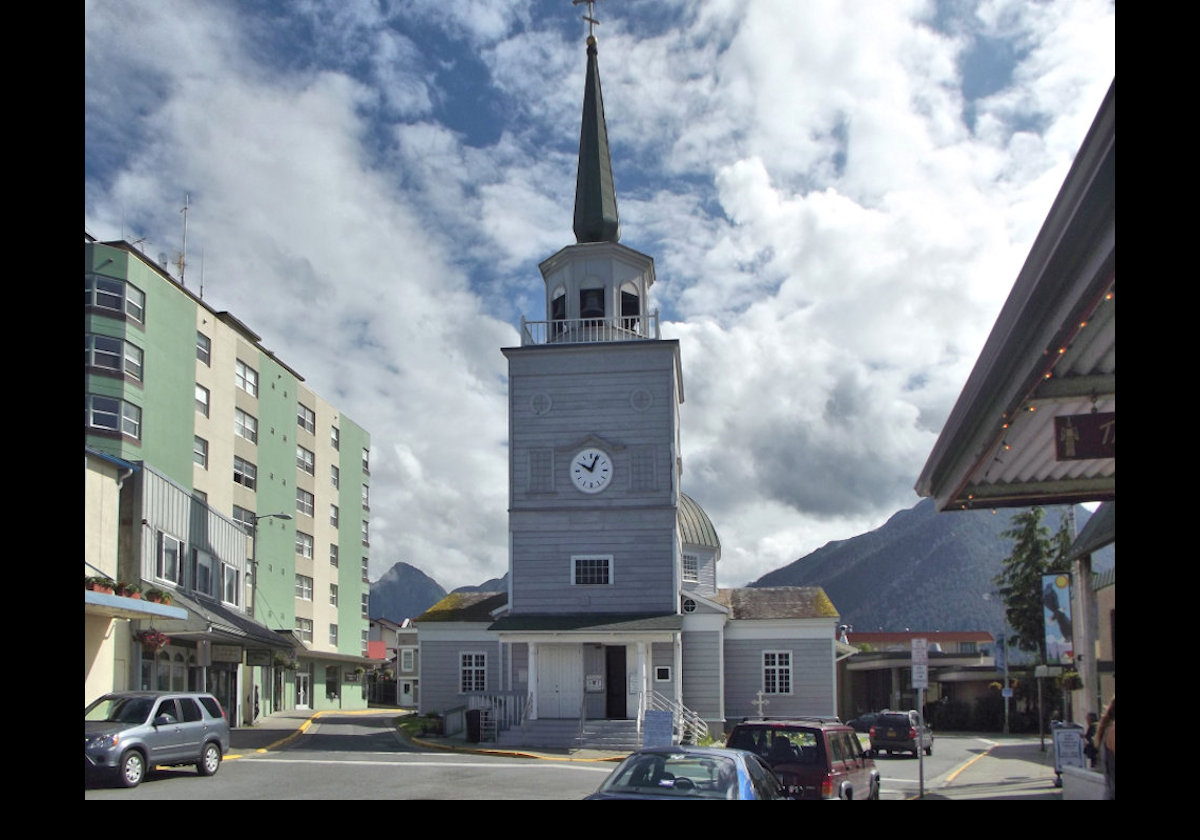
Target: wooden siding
{"type": "Point", "coordinates": [812, 678]}
{"type": "Point", "coordinates": [702, 674]}
{"type": "Point", "coordinates": [440, 670]}
{"type": "Point", "coordinates": [641, 543]}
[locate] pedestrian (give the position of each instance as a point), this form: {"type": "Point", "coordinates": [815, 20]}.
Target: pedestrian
{"type": "Point", "coordinates": [1089, 739]}
{"type": "Point", "coordinates": [1106, 734]}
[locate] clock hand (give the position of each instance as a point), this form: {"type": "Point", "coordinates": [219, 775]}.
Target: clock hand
{"type": "Point", "coordinates": [591, 468]}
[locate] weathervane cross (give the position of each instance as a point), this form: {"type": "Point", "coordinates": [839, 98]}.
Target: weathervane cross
{"type": "Point", "coordinates": [589, 17]}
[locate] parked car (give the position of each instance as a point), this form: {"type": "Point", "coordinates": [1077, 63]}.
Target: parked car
{"type": "Point", "coordinates": [127, 733]}
{"type": "Point", "coordinates": [900, 732]}
{"type": "Point", "coordinates": [862, 723]}
{"type": "Point", "coordinates": [691, 773]}
{"type": "Point", "coordinates": [814, 758]}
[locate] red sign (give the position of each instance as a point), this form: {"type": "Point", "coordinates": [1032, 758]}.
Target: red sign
{"type": "Point", "coordinates": [1081, 436]}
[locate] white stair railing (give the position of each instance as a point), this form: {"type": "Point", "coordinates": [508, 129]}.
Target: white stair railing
{"type": "Point", "coordinates": [689, 726]}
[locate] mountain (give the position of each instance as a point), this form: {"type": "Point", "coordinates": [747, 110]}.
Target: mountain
{"type": "Point", "coordinates": [921, 570]}
{"type": "Point", "coordinates": [403, 592]}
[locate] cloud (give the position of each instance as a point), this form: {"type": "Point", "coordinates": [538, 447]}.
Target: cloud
{"type": "Point", "coordinates": [838, 197]}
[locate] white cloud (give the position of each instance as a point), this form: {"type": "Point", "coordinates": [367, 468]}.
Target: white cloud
{"type": "Point", "coordinates": [833, 238]}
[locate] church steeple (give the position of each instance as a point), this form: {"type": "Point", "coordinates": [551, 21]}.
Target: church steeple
{"type": "Point", "coordinates": [596, 218]}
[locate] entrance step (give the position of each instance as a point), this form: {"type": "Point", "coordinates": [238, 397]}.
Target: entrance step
{"type": "Point", "coordinates": [615, 735]}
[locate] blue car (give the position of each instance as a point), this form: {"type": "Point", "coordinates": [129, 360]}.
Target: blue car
{"type": "Point", "coordinates": [691, 773]}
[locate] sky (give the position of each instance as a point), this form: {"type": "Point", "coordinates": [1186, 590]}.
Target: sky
{"type": "Point", "coordinates": [838, 196]}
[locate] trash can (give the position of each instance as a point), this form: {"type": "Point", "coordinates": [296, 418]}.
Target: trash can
{"type": "Point", "coordinates": [473, 716]}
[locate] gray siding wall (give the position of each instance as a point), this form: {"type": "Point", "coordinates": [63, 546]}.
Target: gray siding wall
{"type": "Point", "coordinates": [587, 392]}
{"type": "Point", "coordinates": [641, 544]}
{"type": "Point", "coordinates": [812, 678]}
{"type": "Point", "coordinates": [440, 671]}
{"type": "Point", "coordinates": [168, 508]}
{"type": "Point", "coordinates": [702, 674]}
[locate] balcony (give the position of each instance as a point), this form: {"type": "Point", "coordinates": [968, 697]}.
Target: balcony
{"type": "Point", "coordinates": [590, 330]}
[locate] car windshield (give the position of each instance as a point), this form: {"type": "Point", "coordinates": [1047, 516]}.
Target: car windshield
{"type": "Point", "coordinates": [675, 774]}
{"type": "Point", "coordinates": [119, 709]}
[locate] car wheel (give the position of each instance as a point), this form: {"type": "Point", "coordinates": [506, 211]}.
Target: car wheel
{"type": "Point", "coordinates": [929, 750]}
{"type": "Point", "coordinates": [874, 790]}
{"type": "Point", "coordinates": [210, 760]}
{"type": "Point", "coordinates": [133, 769]}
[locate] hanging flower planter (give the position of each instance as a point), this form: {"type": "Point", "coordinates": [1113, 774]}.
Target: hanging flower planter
{"type": "Point", "coordinates": [158, 596]}
{"type": "Point", "coordinates": [153, 640]}
{"type": "Point", "coordinates": [1071, 681]}
{"type": "Point", "coordinates": [129, 590]}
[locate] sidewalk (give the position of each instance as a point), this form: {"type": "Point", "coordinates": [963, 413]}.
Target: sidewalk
{"type": "Point", "coordinates": [1014, 768]}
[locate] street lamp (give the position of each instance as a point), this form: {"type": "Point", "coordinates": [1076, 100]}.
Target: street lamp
{"type": "Point", "coordinates": [254, 520]}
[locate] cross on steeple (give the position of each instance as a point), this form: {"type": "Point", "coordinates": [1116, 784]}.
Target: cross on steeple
{"type": "Point", "coordinates": [590, 16]}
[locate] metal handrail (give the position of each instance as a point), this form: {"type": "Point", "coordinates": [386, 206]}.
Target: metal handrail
{"type": "Point", "coordinates": [691, 727]}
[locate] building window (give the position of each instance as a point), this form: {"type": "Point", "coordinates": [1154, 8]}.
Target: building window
{"type": "Point", "coordinates": [333, 554]}
{"type": "Point", "coordinates": [777, 672]}
{"type": "Point", "coordinates": [367, 461]}
{"type": "Point", "coordinates": [200, 451]}
{"type": "Point", "coordinates": [304, 629]}
{"type": "Point", "coordinates": [115, 296]}
{"type": "Point", "coordinates": [245, 425]}
{"type": "Point", "coordinates": [333, 594]}
{"type": "Point", "coordinates": [366, 533]}
{"type": "Point", "coordinates": [304, 587]}
{"type": "Point", "coordinates": [304, 502]}
{"type": "Point", "coordinates": [335, 437]}
{"type": "Point", "coordinates": [246, 377]}
{"type": "Point", "coordinates": [333, 636]}
{"type": "Point", "coordinates": [335, 476]}
{"type": "Point", "coordinates": [968, 647]}
{"type": "Point", "coordinates": [407, 659]}
{"type": "Point", "coordinates": [229, 585]}
{"type": "Point", "coordinates": [472, 672]}
{"type": "Point", "coordinates": [113, 355]}
{"type": "Point", "coordinates": [363, 639]}
{"type": "Point", "coordinates": [306, 460]}
{"type": "Point", "coordinates": [366, 497]}
{"type": "Point", "coordinates": [365, 564]}
{"type": "Point", "coordinates": [244, 517]}
{"type": "Point", "coordinates": [366, 604]}
{"type": "Point", "coordinates": [662, 673]}
{"type": "Point", "coordinates": [109, 414]}
{"type": "Point", "coordinates": [333, 515]}
{"type": "Point", "coordinates": [304, 545]}
{"type": "Point", "coordinates": [203, 348]}
{"type": "Point", "coordinates": [201, 399]}
{"type": "Point", "coordinates": [202, 572]}
{"type": "Point", "coordinates": [691, 568]}
{"type": "Point", "coordinates": [305, 418]}
{"type": "Point", "coordinates": [591, 569]}
{"type": "Point", "coordinates": [244, 473]}
{"type": "Point", "coordinates": [169, 563]}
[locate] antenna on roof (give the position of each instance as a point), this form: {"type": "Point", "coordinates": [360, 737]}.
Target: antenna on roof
{"type": "Point", "coordinates": [181, 262]}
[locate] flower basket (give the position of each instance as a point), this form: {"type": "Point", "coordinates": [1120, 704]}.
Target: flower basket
{"type": "Point", "coordinates": [153, 640]}
{"type": "Point", "coordinates": [158, 596]}
{"type": "Point", "coordinates": [1071, 681]}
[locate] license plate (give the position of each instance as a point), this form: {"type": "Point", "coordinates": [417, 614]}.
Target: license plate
{"type": "Point", "coordinates": [891, 733]}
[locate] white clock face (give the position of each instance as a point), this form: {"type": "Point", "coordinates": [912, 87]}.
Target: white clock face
{"type": "Point", "coordinates": [591, 470]}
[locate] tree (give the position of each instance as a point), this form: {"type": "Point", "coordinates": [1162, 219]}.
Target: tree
{"type": "Point", "coordinates": [1034, 554]}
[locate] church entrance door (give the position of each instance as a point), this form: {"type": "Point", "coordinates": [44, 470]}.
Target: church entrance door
{"type": "Point", "coordinates": [560, 681]}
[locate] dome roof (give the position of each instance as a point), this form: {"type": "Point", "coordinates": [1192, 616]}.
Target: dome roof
{"type": "Point", "coordinates": [695, 528]}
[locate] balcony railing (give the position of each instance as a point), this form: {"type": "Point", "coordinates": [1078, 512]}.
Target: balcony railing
{"type": "Point", "coordinates": [590, 330]}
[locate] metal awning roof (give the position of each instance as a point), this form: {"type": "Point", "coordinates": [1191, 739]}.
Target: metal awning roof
{"type": "Point", "coordinates": [1051, 356]}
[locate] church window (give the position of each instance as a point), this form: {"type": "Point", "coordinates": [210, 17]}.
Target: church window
{"type": "Point", "coordinates": [777, 672]}
{"type": "Point", "coordinates": [472, 672]}
{"type": "Point", "coordinates": [691, 568]}
{"type": "Point", "coordinates": [591, 569]}
{"type": "Point", "coordinates": [630, 308]}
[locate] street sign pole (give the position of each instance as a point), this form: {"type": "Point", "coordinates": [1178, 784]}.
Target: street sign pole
{"type": "Point", "coordinates": [920, 681]}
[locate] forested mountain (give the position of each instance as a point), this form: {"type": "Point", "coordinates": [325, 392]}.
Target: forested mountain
{"type": "Point", "coordinates": [921, 570]}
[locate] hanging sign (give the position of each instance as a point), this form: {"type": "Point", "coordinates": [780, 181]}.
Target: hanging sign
{"type": "Point", "coordinates": [1081, 436]}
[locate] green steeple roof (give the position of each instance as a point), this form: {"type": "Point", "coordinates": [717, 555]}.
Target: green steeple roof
{"type": "Point", "coordinates": [596, 218]}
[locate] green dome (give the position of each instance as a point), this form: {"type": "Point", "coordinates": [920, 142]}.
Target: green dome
{"type": "Point", "coordinates": [695, 528]}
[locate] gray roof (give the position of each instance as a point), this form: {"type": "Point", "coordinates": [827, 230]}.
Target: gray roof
{"type": "Point", "coordinates": [695, 528]}
{"type": "Point", "coordinates": [465, 606]}
{"type": "Point", "coordinates": [776, 602]}
{"type": "Point", "coordinates": [607, 622]}
{"type": "Point", "coordinates": [1100, 530]}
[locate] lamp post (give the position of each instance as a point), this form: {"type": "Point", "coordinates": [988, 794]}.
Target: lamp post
{"type": "Point", "coordinates": [1002, 647]}
{"type": "Point", "coordinates": [255, 519]}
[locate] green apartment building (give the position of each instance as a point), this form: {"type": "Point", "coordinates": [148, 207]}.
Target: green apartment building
{"type": "Point", "coordinates": [222, 437]}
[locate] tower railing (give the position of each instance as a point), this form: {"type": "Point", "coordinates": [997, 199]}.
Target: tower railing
{"type": "Point", "coordinates": [590, 330]}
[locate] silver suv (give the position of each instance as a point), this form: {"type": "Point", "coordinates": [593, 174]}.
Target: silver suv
{"type": "Point", "coordinates": [128, 732]}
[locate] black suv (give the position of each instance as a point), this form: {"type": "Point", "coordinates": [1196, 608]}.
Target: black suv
{"type": "Point", "coordinates": [815, 758]}
{"type": "Point", "coordinates": [900, 732]}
